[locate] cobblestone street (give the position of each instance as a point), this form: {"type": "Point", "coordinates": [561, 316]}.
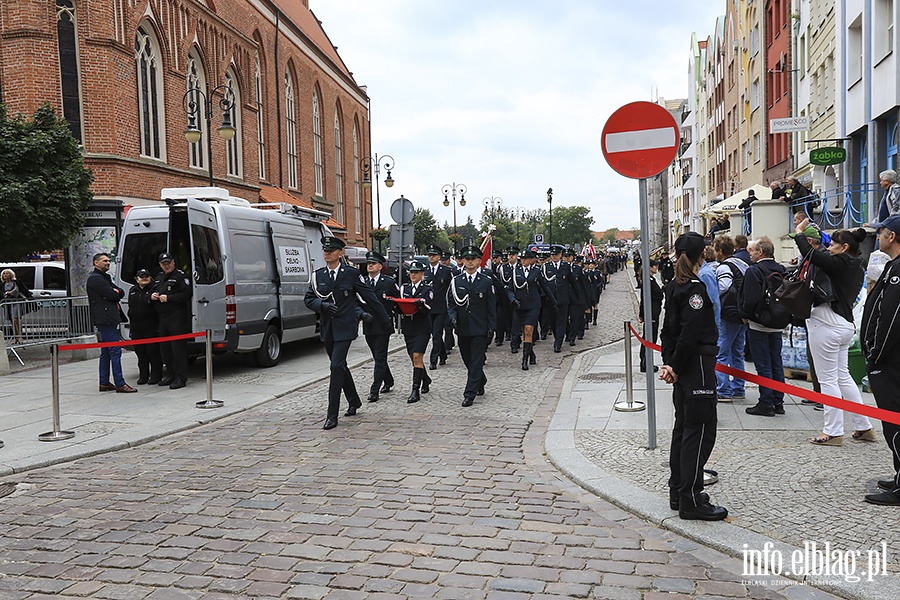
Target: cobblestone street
{"type": "Point", "coordinates": [402, 501]}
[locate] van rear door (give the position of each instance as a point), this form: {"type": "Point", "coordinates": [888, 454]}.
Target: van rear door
{"type": "Point", "coordinates": [207, 269]}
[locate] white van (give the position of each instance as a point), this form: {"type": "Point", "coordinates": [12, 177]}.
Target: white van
{"type": "Point", "coordinates": [250, 265]}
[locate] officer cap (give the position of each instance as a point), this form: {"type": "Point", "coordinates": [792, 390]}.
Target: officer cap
{"type": "Point", "coordinates": [166, 257]}
{"type": "Point", "coordinates": [470, 252]}
{"type": "Point", "coordinates": [496, 254]}
{"type": "Point", "coordinates": [591, 262]}
{"type": "Point", "coordinates": [690, 243]}
{"type": "Point", "coordinates": [512, 250]}
{"type": "Point", "coordinates": [332, 243]}
{"type": "Point", "coordinates": [555, 250]}
{"type": "Point", "coordinates": [568, 252]}
{"type": "Point", "coordinates": [416, 266]}
{"type": "Point", "coordinates": [434, 249]}
{"type": "Point", "coordinates": [529, 254]}
{"type": "Point", "coordinates": [374, 257]}
{"type": "Point", "coordinates": [142, 273]}
{"type": "Point", "coordinates": [446, 256]}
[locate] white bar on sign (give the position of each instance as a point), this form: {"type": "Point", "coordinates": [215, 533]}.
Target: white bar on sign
{"type": "Point", "coordinates": [645, 139]}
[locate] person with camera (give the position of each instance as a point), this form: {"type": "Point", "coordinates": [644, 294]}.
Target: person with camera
{"type": "Point", "coordinates": [837, 276]}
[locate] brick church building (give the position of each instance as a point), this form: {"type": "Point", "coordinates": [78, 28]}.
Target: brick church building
{"type": "Point", "coordinates": [124, 73]}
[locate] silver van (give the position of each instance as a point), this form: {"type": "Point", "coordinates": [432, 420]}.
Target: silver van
{"type": "Point", "coordinates": [250, 265]}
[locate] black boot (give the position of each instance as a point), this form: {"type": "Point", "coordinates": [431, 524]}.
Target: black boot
{"type": "Point", "coordinates": [526, 354]}
{"type": "Point", "coordinates": [596, 310]}
{"type": "Point", "coordinates": [532, 359]}
{"type": "Point", "coordinates": [426, 381]}
{"type": "Point", "coordinates": [417, 381]}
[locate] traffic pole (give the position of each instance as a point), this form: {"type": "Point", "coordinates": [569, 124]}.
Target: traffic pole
{"type": "Point", "coordinates": [57, 434]}
{"type": "Point", "coordinates": [648, 312]}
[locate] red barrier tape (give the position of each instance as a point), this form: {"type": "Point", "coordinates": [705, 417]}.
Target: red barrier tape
{"type": "Point", "coordinates": [860, 409]}
{"type": "Point", "coordinates": [156, 340]}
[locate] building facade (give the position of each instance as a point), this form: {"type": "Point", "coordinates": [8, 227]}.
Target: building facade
{"type": "Point", "coordinates": [126, 74]}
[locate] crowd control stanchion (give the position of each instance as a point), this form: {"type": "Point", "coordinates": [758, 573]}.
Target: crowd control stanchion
{"type": "Point", "coordinates": [629, 405]}
{"type": "Point", "coordinates": [209, 402]}
{"type": "Point", "coordinates": [56, 434]}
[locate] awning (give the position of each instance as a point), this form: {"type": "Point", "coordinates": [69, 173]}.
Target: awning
{"type": "Point", "coordinates": [732, 202]}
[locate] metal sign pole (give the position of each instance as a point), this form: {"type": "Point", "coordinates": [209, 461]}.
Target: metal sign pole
{"type": "Point", "coordinates": [629, 405]}
{"type": "Point", "coordinates": [209, 402]}
{"type": "Point", "coordinates": [57, 433]}
{"type": "Point", "coordinates": [648, 313]}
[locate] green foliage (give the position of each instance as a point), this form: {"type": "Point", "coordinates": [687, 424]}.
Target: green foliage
{"type": "Point", "coordinates": [572, 225]}
{"type": "Point", "coordinates": [427, 231]}
{"type": "Point", "coordinates": [609, 236]}
{"type": "Point", "coordinates": [44, 184]}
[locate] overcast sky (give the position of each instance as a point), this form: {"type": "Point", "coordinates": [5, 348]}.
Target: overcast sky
{"type": "Point", "coordinates": [510, 97]}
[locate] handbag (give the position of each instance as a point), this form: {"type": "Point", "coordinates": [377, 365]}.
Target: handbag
{"type": "Point", "coordinates": [795, 292]}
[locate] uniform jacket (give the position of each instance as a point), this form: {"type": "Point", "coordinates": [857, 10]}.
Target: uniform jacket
{"type": "Point", "coordinates": [176, 286]}
{"type": "Point", "coordinates": [689, 328]}
{"type": "Point", "coordinates": [418, 323]}
{"type": "Point", "coordinates": [439, 283]}
{"type": "Point", "coordinates": [385, 287]}
{"type": "Point", "coordinates": [343, 292]}
{"type": "Point", "coordinates": [142, 312]}
{"type": "Point", "coordinates": [880, 328]}
{"type": "Point", "coordinates": [656, 300]}
{"type": "Point", "coordinates": [103, 298]}
{"type": "Point", "coordinates": [472, 307]}
{"type": "Point", "coordinates": [528, 288]}
{"type": "Point", "coordinates": [581, 284]}
{"type": "Point", "coordinates": [561, 281]}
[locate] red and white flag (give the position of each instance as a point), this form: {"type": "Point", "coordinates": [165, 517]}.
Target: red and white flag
{"type": "Point", "coordinates": [588, 250]}
{"type": "Point", "coordinates": [487, 248]}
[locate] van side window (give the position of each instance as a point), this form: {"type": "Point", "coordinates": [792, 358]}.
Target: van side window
{"type": "Point", "coordinates": [207, 255]}
{"type": "Point", "coordinates": [25, 275]}
{"type": "Point", "coordinates": [141, 252]}
{"type": "Point", "coordinates": [54, 278]}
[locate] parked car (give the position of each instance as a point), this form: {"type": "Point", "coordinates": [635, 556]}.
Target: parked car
{"type": "Point", "coordinates": [44, 279]}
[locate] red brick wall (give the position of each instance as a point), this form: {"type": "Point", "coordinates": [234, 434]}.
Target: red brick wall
{"type": "Point", "coordinates": [29, 75]}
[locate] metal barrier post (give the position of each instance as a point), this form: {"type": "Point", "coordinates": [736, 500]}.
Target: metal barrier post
{"type": "Point", "coordinates": [209, 402]}
{"type": "Point", "coordinates": [57, 433]}
{"type": "Point", "coordinates": [629, 405]}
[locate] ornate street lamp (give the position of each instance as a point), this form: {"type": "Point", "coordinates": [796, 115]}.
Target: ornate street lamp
{"type": "Point", "coordinates": [369, 164]}
{"type": "Point", "coordinates": [196, 100]}
{"type": "Point", "coordinates": [451, 189]}
{"type": "Point", "coordinates": [550, 200]}
{"type": "Point", "coordinates": [492, 205]}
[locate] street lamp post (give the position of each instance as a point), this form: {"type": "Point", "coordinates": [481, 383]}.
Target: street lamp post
{"type": "Point", "coordinates": [519, 212]}
{"type": "Point", "coordinates": [196, 100]}
{"type": "Point", "coordinates": [550, 200]}
{"type": "Point", "coordinates": [492, 204]}
{"type": "Point", "coordinates": [451, 189]}
{"type": "Point", "coordinates": [369, 164]}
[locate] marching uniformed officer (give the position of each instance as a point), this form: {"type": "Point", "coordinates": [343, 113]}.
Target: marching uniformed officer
{"type": "Point", "coordinates": [172, 297]}
{"type": "Point", "coordinates": [438, 277]}
{"type": "Point", "coordinates": [332, 293]}
{"type": "Point", "coordinates": [515, 327]}
{"type": "Point", "coordinates": [417, 327]}
{"type": "Point", "coordinates": [575, 326]}
{"type": "Point", "coordinates": [558, 274]}
{"type": "Point", "coordinates": [472, 309]}
{"type": "Point", "coordinates": [378, 335]}
{"type": "Point", "coordinates": [528, 287]}
{"type": "Point", "coordinates": [689, 337]}
{"type": "Point", "coordinates": [449, 338]}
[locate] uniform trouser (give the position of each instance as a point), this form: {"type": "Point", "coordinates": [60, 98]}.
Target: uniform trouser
{"type": "Point", "coordinates": [473, 349]}
{"type": "Point", "coordinates": [885, 383]}
{"type": "Point", "coordinates": [449, 338]}
{"type": "Point", "coordinates": [560, 322]}
{"type": "Point", "coordinates": [548, 318]}
{"type": "Point", "coordinates": [341, 379]}
{"type": "Point", "coordinates": [149, 360]}
{"type": "Point", "coordinates": [438, 320]}
{"type": "Point", "coordinates": [694, 432]}
{"type": "Point", "coordinates": [378, 344]}
{"type": "Point", "coordinates": [110, 357]}
{"type": "Point", "coordinates": [503, 322]}
{"type": "Point", "coordinates": [174, 353]}
{"type": "Point", "coordinates": [575, 326]}
{"type": "Point", "coordinates": [654, 327]}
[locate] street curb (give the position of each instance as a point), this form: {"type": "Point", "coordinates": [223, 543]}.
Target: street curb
{"type": "Point", "coordinates": [560, 449]}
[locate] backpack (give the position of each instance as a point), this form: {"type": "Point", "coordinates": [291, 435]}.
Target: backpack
{"type": "Point", "coordinates": [729, 298]}
{"type": "Point", "coordinates": [770, 312]}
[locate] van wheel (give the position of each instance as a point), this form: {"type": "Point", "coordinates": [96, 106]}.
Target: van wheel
{"type": "Point", "coordinates": [269, 352]}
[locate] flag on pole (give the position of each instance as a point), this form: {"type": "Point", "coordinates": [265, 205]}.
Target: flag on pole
{"type": "Point", "coordinates": [588, 250]}
{"type": "Point", "coordinates": [487, 248]}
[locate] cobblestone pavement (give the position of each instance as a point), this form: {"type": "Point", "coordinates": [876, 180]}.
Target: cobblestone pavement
{"type": "Point", "coordinates": [402, 501]}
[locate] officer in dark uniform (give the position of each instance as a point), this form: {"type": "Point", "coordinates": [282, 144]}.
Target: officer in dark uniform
{"type": "Point", "coordinates": [558, 274]}
{"type": "Point", "coordinates": [449, 338]}
{"type": "Point", "coordinates": [473, 310]}
{"type": "Point", "coordinates": [145, 324]}
{"type": "Point", "coordinates": [656, 303]}
{"type": "Point", "coordinates": [172, 299]}
{"type": "Point", "coordinates": [530, 291]}
{"type": "Point", "coordinates": [438, 277]}
{"type": "Point", "coordinates": [332, 293]}
{"type": "Point", "coordinates": [515, 327]}
{"type": "Point", "coordinates": [689, 338]}
{"type": "Point", "coordinates": [416, 327]}
{"type": "Point", "coordinates": [575, 324]}
{"type": "Point", "coordinates": [378, 335]}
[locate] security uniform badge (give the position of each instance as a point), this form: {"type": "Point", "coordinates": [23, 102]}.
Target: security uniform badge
{"type": "Point", "coordinates": [696, 302]}
{"type": "Point", "coordinates": [894, 280]}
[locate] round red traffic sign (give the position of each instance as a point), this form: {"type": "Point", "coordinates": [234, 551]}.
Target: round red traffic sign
{"type": "Point", "coordinates": [640, 140]}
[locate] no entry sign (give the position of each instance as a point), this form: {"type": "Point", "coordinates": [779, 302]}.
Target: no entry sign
{"type": "Point", "coordinates": [640, 140]}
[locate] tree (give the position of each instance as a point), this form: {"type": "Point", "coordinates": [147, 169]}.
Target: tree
{"type": "Point", "coordinates": [572, 225]}
{"type": "Point", "coordinates": [609, 236]}
{"type": "Point", "coordinates": [427, 231]}
{"type": "Point", "coordinates": [44, 184]}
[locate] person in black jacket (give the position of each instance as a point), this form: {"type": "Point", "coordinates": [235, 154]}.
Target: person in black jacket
{"type": "Point", "coordinates": [171, 296]}
{"type": "Point", "coordinates": [378, 335]}
{"type": "Point", "coordinates": [103, 298]}
{"type": "Point", "coordinates": [656, 303]}
{"type": "Point", "coordinates": [145, 324]}
{"type": "Point", "coordinates": [528, 288]}
{"type": "Point", "coordinates": [830, 327]}
{"type": "Point", "coordinates": [438, 277]}
{"type": "Point", "coordinates": [417, 327]}
{"type": "Point", "coordinates": [689, 363]}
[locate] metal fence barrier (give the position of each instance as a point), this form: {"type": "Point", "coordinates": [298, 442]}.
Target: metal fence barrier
{"type": "Point", "coordinates": [44, 321]}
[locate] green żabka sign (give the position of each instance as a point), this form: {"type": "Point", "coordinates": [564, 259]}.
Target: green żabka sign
{"type": "Point", "coordinates": [827, 156]}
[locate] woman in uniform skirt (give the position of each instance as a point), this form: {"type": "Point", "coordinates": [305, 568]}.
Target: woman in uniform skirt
{"type": "Point", "coordinates": [689, 337]}
{"type": "Point", "coordinates": [529, 287]}
{"type": "Point", "coordinates": [416, 327]}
